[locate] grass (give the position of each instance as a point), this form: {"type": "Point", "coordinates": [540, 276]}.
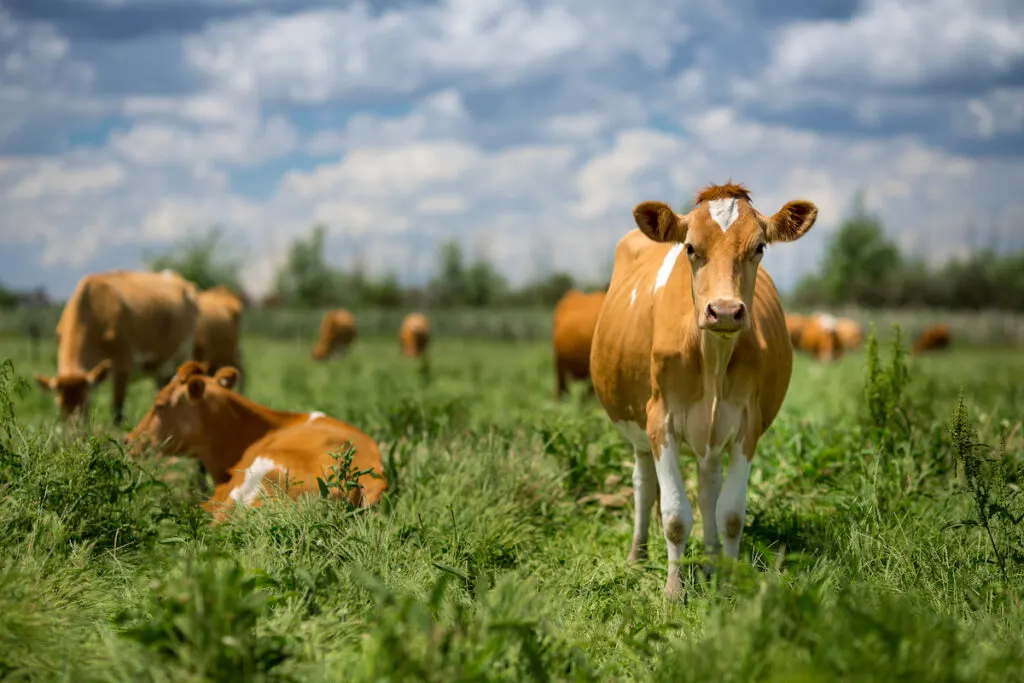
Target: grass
{"type": "Point", "coordinates": [882, 541]}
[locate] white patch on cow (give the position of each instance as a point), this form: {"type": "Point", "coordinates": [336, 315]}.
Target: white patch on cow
{"type": "Point", "coordinates": [676, 511]}
{"type": "Point", "coordinates": [315, 415]}
{"type": "Point", "coordinates": [827, 321]}
{"type": "Point", "coordinates": [247, 491]}
{"type": "Point", "coordinates": [167, 273]}
{"type": "Point", "coordinates": [667, 265]}
{"type": "Point", "coordinates": [709, 486]}
{"type": "Point", "coordinates": [632, 296]}
{"type": "Point", "coordinates": [724, 211]}
{"type": "Point", "coordinates": [635, 434]}
{"type": "Point", "coordinates": [732, 503]}
{"type": "Point", "coordinates": [645, 489]}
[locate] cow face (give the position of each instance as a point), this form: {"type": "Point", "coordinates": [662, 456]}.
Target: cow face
{"type": "Point", "coordinates": [173, 423]}
{"type": "Point", "coordinates": [724, 238]}
{"type": "Point", "coordinates": [72, 389]}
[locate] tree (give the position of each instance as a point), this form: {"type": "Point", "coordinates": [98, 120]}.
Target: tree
{"type": "Point", "coordinates": [860, 261]}
{"type": "Point", "coordinates": [203, 260]}
{"type": "Point", "coordinates": [305, 280]}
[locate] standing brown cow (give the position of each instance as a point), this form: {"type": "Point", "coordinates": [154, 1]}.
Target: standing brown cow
{"type": "Point", "coordinates": [414, 335]}
{"type": "Point", "coordinates": [116, 322]}
{"type": "Point", "coordinates": [572, 333]}
{"type": "Point", "coordinates": [337, 332]}
{"type": "Point", "coordinates": [218, 331]}
{"type": "Point", "coordinates": [691, 351]}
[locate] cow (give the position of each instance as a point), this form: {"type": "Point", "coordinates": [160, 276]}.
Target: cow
{"type": "Point", "coordinates": [244, 445]}
{"type": "Point", "coordinates": [414, 335]}
{"type": "Point", "coordinates": [795, 324]}
{"type": "Point", "coordinates": [691, 351]}
{"type": "Point", "coordinates": [932, 339]}
{"type": "Point", "coordinates": [117, 322]}
{"type": "Point", "coordinates": [572, 332]}
{"type": "Point", "coordinates": [819, 337]}
{"type": "Point", "coordinates": [851, 334]}
{"type": "Point", "coordinates": [337, 332]}
{"type": "Point", "coordinates": [218, 331]}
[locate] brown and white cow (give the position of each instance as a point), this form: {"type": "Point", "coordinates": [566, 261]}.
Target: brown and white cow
{"type": "Point", "coordinates": [820, 338]}
{"type": "Point", "coordinates": [572, 332]}
{"type": "Point", "coordinates": [118, 322]}
{"type": "Point", "coordinates": [414, 335]}
{"type": "Point", "coordinates": [337, 332]}
{"type": "Point", "coordinates": [932, 339]}
{"type": "Point", "coordinates": [691, 352]}
{"type": "Point", "coordinates": [218, 331]}
{"type": "Point", "coordinates": [244, 445]}
{"type": "Point", "coordinates": [851, 334]}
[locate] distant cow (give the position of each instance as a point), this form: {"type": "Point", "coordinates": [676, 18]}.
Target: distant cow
{"type": "Point", "coordinates": [572, 332]}
{"type": "Point", "coordinates": [820, 338]}
{"type": "Point", "coordinates": [414, 335]}
{"type": "Point", "coordinates": [851, 334]}
{"type": "Point", "coordinates": [933, 338]}
{"type": "Point", "coordinates": [244, 445]}
{"type": "Point", "coordinates": [691, 351]}
{"type": "Point", "coordinates": [219, 329]}
{"type": "Point", "coordinates": [118, 322]}
{"type": "Point", "coordinates": [795, 325]}
{"type": "Point", "coordinates": [337, 332]}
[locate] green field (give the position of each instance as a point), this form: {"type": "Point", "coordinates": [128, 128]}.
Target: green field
{"type": "Point", "coordinates": [482, 564]}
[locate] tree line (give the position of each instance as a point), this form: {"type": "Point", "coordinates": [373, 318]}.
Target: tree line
{"type": "Point", "coordinates": [863, 266]}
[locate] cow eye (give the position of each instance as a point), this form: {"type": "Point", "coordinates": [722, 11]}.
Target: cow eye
{"type": "Point", "coordinates": [690, 251]}
{"type": "Point", "coordinates": [759, 249]}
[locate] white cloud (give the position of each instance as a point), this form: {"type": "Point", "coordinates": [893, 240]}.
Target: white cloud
{"type": "Point", "coordinates": [53, 179]}
{"type": "Point", "coordinates": [318, 55]}
{"type": "Point", "coordinates": [893, 43]}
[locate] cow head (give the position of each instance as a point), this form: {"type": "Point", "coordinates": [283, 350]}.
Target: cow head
{"type": "Point", "coordinates": [724, 238]}
{"type": "Point", "coordinates": [173, 421]}
{"type": "Point", "coordinates": [72, 388]}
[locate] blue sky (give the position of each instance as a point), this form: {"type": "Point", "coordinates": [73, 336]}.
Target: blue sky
{"type": "Point", "coordinates": [527, 130]}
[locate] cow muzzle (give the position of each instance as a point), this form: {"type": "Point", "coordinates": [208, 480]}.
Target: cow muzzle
{"type": "Point", "coordinates": [725, 316]}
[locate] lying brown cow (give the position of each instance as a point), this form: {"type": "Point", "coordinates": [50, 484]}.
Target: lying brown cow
{"type": "Point", "coordinates": [244, 445]}
{"type": "Point", "coordinates": [571, 334]}
{"type": "Point", "coordinates": [414, 335]}
{"type": "Point", "coordinates": [691, 354]}
{"type": "Point", "coordinates": [218, 331]}
{"type": "Point", "coordinates": [337, 332]}
{"type": "Point", "coordinates": [933, 338]}
{"type": "Point", "coordinates": [118, 322]}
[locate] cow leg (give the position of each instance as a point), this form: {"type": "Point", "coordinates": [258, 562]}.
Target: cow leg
{"type": "Point", "coordinates": [709, 481]}
{"type": "Point", "coordinates": [120, 382]}
{"type": "Point", "coordinates": [676, 511]}
{"type": "Point", "coordinates": [645, 490]}
{"type": "Point", "coordinates": [732, 505]}
{"type": "Point", "coordinates": [560, 383]}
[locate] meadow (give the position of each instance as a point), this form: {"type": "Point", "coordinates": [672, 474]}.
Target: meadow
{"type": "Point", "coordinates": [883, 541]}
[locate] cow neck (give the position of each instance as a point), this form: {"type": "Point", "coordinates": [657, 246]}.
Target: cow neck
{"type": "Point", "coordinates": [716, 353]}
{"type": "Point", "coordinates": [232, 426]}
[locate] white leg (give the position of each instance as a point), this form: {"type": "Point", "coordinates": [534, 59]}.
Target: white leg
{"type": "Point", "coordinates": [732, 504]}
{"type": "Point", "coordinates": [676, 512]}
{"type": "Point", "coordinates": [709, 482]}
{"type": "Point", "coordinates": [645, 489]}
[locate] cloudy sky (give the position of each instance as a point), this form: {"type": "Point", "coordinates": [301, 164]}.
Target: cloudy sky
{"type": "Point", "coordinates": [528, 129]}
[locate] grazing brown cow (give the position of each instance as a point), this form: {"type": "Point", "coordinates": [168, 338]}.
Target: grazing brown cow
{"type": "Point", "coordinates": [337, 332]}
{"type": "Point", "coordinates": [218, 331]}
{"type": "Point", "coordinates": [795, 324]}
{"type": "Point", "coordinates": [932, 339]}
{"type": "Point", "coordinates": [820, 338]}
{"type": "Point", "coordinates": [572, 332]}
{"type": "Point", "coordinates": [851, 334]}
{"type": "Point", "coordinates": [116, 322]}
{"type": "Point", "coordinates": [693, 353]}
{"type": "Point", "coordinates": [243, 444]}
{"type": "Point", "coordinates": [414, 335]}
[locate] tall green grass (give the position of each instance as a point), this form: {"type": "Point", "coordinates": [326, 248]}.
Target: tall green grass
{"type": "Point", "coordinates": [882, 540]}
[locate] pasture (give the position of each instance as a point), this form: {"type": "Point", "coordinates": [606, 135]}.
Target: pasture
{"type": "Point", "coordinates": [483, 564]}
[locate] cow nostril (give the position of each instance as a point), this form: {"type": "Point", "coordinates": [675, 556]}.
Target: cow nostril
{"type": "Point", "coordinates": [710, 312]}
{"type": "Point", "coordinates": [740, 310]}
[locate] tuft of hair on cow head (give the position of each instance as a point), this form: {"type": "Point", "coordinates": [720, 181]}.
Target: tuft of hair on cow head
{"type": "Point", "coordinates": [196, 387]}
{"type": "Point", "coordinates": [227, 377]}
{"type": "Point", "coordinates": [791, 222]}
{"type": "Point", "coordinates": [659, 222]}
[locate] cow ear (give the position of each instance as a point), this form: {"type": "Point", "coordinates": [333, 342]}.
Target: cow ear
{"type": "Point", "coordinates": [792, 221]}
{"type": "Point", "coordinates": [99, 373]}
{"type": "Point", "coordinates": [196, 387]}
{"type": "Point", "coordinates": [47, 383]}
{"type": "Point", "coordinates": [227, 377]}
{"type": "Point", "coordinates": [659, 222]}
